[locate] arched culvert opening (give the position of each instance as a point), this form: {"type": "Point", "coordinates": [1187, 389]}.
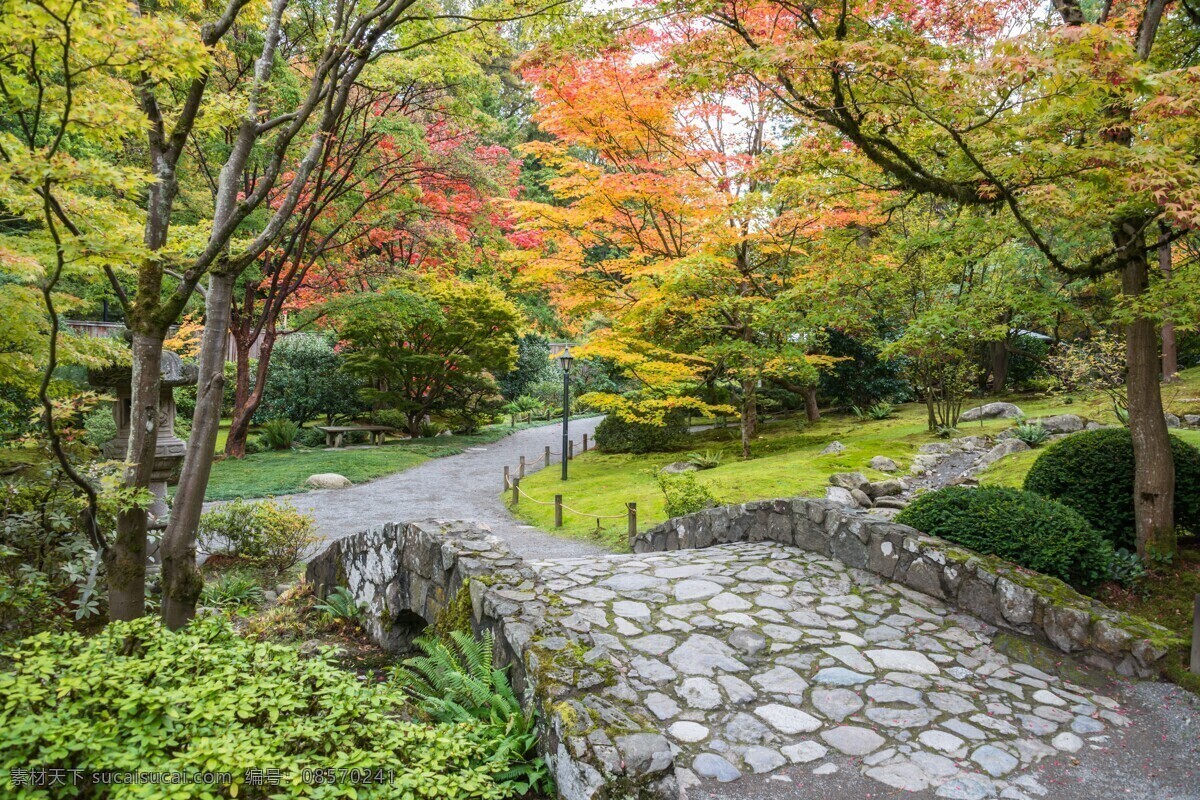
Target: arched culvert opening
{"type": "Point", "coordinates": [406, 626]}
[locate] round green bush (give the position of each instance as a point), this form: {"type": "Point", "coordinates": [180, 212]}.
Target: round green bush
{"type": "Point", "coordinates": [1018, 526]}
{"type": "Point", "coordinates": [615, 435]}
{"type": "Point", "coordinates": [1092, 472]}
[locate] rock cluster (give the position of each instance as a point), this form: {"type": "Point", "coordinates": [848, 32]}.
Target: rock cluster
{"type": "Point", "coordinates": [853, 489]}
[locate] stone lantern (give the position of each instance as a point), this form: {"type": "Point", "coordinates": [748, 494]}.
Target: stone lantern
{"type": "Point", "coordinates": [169, 450]}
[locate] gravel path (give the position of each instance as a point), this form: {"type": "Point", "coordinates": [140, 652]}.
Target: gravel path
{"type": "Point", "coordinates": [466, 486]}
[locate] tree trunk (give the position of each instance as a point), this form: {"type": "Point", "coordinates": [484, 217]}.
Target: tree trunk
{"type": "Point", "coordinates": [749, 414]}
{"type": "Point", "coordinates": [247, 399]}
{"type": "Point", "coordinates": [998, 355]}
{"type": "Point", "coordinates": [126, 559]}
{"type": "Point", "coordinates": [239, 424]}
{"type": "Point", "coordinates": [181, 580]}
{"type": "Point", "coordinates": [1170, 350]}
{"type": "Point", "coordinates": [1154, 473]}
{"type": "Point", "coordinates": [810, 403]}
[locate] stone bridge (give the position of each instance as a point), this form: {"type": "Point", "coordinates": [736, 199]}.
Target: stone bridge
{"type": "Point", "coordinates": [790, 649]}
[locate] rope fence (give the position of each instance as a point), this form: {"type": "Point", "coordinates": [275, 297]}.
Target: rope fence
{"type": "Point", "coordinates": [513, 483]}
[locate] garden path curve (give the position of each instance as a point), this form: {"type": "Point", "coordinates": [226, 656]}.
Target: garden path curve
{"type": "Point", "coordinates": [464, 486]}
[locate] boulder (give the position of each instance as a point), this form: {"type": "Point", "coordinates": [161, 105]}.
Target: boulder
{"type": "Point", "coordinates": [888, 488]}
{"type": "Point", "coordinates": [934, 448]}
{"type": "Point", "coordinates": [1060, 423]}
{"type": "Point", "coordinates": [991, 411]}
{"type": "Point", "coordinates": [833, 448]}
{"type": "Point", "coordinates": [839, 495]}
{"type": "Point", "coordinates": [891, 502]}
{"type": "Point", "coordinates": [1192, 420]}
{"type": "Point", "coordinates": [882, 464]}
{"type": "Point", "coordinates": [850, 480]}
{"type": "Point", "coordinates": [968, 444]}
{"type": "Point", "coordinates": [861, 498]}
{"type": "Point", "coordinates": [1005, 448]}
{"type": "Point", "coordinates": [676, 467]}
{"type": "Point", "coordinates": [327, 480]}
{"type": "Point", "coordinates": [1172, 420]}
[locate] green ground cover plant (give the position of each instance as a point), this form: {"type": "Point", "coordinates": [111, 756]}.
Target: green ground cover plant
{"type": "Point", "coordinates": [136, 697]}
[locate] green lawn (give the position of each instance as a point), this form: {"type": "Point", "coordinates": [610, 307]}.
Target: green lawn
{"type": "Point", "coordinates": [786, 461]}
{"type": "Point", "coordinates": [284, 472]}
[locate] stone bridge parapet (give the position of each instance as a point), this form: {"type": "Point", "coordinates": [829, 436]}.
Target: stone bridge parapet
{"type": "Point", "coordinates": [595, 734]}
{"type": "Point", "coordinates": [994, 590]}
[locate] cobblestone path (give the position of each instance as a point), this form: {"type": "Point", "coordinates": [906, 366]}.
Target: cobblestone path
{"type": "Point", "coordinates": [773, 667]}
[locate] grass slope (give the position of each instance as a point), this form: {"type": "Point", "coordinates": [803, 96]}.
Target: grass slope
{"type": "Point", "coordinates": [786, 462]}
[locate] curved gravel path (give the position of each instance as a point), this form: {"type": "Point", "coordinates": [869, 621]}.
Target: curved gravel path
{"type": "Point", "coordinates": [466, 486]}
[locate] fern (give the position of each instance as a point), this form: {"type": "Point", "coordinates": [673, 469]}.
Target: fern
{"type": "Point", "coordinates": [456, 681]}
{"type": "Point", "coordinates": [339, 605]}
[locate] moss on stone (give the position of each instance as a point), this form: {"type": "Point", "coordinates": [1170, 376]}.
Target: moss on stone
{"type": "Point", "coordinates": [455, 615]}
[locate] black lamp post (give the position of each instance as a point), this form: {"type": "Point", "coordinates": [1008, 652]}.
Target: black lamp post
{"type": "Point", "coordinates": [565, 361]}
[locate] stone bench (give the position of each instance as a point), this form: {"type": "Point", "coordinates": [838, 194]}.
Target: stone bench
{"type": "Point", "coordinates": [334, 433]}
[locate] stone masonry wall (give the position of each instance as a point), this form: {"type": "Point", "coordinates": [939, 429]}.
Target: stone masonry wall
{"type": "Point", "coordinates": [996, 591]}
{"type": "Point", "coordinates": [596, 736]}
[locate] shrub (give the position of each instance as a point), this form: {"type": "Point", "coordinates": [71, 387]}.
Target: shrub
{"type": "Point", "coordinates": [1092, 472]}
{"type": "Point", "coordinates": [1021, 527]}
{"type": "Point", "coordinates": [100, 427]}
{"type": "Point", "coordinates": [306, 380]}
{"type": "Point", "coordinates": [311, 437]}
{"type": "Point", "coordinates": [232, 589]}
{"type": "Point", "coordinates": [881, 411]}
{"type": "Point", "coordinates": [1031, 433]}
{"type": "Point", "coordinates": [684, 494]}
{"type": "Point", "coordinates": [709, 459]}
{"type": "Point", "coordinates": [279, 434]}
{"type": "Point", "coordinates": [49, 572]}
{"type": "Point", "coordinates": [267, 532]}
{"type": "Point", "coordinates": [205, 699]}
{"type": "Point", "coordinates": [616, 435]}
{"type": "Point", "coordinates": [430, 429]}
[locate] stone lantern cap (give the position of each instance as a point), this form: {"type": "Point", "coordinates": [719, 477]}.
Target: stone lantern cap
{"type": "Point", "coordinates": [173, 372]}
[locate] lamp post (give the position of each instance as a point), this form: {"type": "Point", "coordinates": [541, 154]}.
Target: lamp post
{"type": "Point", "coordinates": [565, 362]}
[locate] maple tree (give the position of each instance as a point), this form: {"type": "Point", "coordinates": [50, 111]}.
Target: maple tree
{"type": "Point", "coordinates": [422, 340]}
{"type": "Point", "coordinates": [1069, 125]}
{"type": "Point", "coordinates": [400, 187]}
{"type": "Point", "coordinates": [669, 229]}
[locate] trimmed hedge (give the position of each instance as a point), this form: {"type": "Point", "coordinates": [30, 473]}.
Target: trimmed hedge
{"type": "Point", "coordinates": [1018, 526]}
{"type": "Point", "coordinates": [1092, 472]}
{"type": "Point", "coordinates": [615, 435]}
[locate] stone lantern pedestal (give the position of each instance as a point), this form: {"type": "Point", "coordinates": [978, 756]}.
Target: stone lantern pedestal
{"type": "Point", "coordinates": [169, 450]}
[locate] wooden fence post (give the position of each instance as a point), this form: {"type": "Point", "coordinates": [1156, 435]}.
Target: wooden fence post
{"type": "Point", "coordinates": [1195, 665]}
{"type": "Point", "coordinates": [521, 468]}
{"type": "Point", "coordinates": [516, 491]}
{"type": "Point", "coordinates": [547, 456]}
{"type": "Point", "coordinates": [558, 510]}
{"type": "Point", "coordinates": [570, 450]}
{"type": "Point", "coordinates": [632, 521]}
{"type": "Point", "coordinates": [506, 481]}
{"type": "Point", "coordinates": [585, 443]}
